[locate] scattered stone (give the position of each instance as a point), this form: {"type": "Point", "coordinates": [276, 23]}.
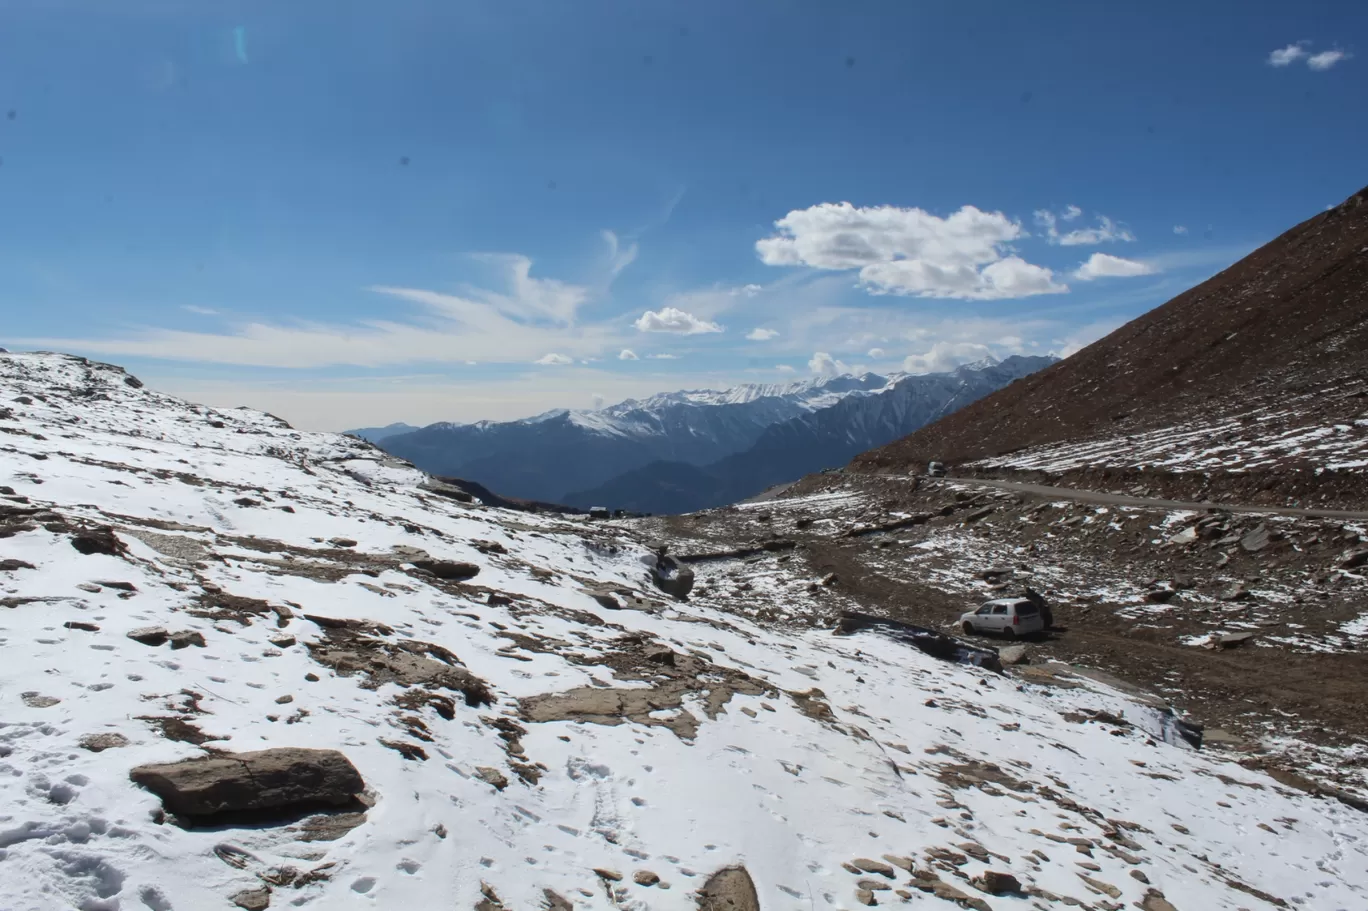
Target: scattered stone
{"type": "Point", "coordinates": [865, 897]}
{"type": "Point", "coordinates": [1235, 591]}
{"type": "Point", "coordinates": [645, 878]}
{"type": "Point", "coordinates": [247, 502]}
{"type": "Point", "coordinates": [1139, 876]}
{"type": "Point", "coordinates": [864, 864]}
{"type": "Point", "coordinates": [98, 540]}
{"type": "Point", "coordinates": [342, 542]}
{"type": "Point", "coordinates": [1186, 536]}
{"type": "Point", "coordinates": [285, 700]}
{"type": "Point", "coordinates": [1352, 559]}
{"type": "Point", "coordinates": [977, 514]}
{"type": "Point", "coordinates": [904, 863]}
{"type": "Point", "coordinates": [873, 885]}
{"type": "Point", "coordinates": [118, 586]}
{"type": "Point", "coordinates": [253, 899]}
{"type": "Point", "coordinates": [311, 677]}
{"type": "Point", "coordinates": [830, 579]}
{"type": "Point", "coordinates": [1229, 640]}
{"type": "Point", "coordinates": [1256, 540]}
{"type": "Point", "coordinates": [186, 638]}
{"type": "Point", "coordinates": [995, 883]}
{"type": "Point", "coordinates": [1014, 654]}
{"type": "Point", "coordinates": [35, 701]}
{"type": "Point", "coordinates": [9, 566]}
{"type": "Point", "coordinates": [660, 654]}
{"type": "Point", "coordinates": [451, 570]}
{"type": "Point", "coordinates": [90, 587]}
{"type": "Point", "coordinates": [610, 875]}
{"type": "Point", "coordinates": [1154, 901]}
{"type": "Point", "coordinates": [281, 641]}
{"type": "Point", "coordinates": [265, 783]}
{"type": "Point", "coordinates": [493, 776]}
{"type": "Point", "coordinates": [1160, 595]}
{"type": "Point", "coordinates": [77, 624]}
{"type": "Point", "coordinates": [96, 743]}
{"type": "Point", "coordinates": [149, 635]}
{"type": "Point", "coordinates": [554, 901]}
{"type": "Point", "coordinates": [1100, 886]}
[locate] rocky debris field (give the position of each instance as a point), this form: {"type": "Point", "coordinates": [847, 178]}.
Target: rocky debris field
{"type": "Point", "coordinates": [1255, 624]}
{"type": "Point", "coordinates": [251, 667]}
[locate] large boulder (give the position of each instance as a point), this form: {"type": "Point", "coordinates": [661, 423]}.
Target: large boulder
{"type": "Point", "coordinates": [281, 781]}
{"type": "Point", "coordinates": [672, 577]}
{"type": "Point", "coordinates": [729, 889]}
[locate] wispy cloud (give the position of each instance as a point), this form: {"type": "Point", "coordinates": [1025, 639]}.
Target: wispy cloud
{"type": "Point", "coordinates": [517, 324]}
{"type": "Point", "coordinates": [554, 360]}
{"type": "Point", "coordinates": [1180, 229]}
{"type": "Point", "coordinates": [1106, 231]}
{"type": "Point", "coordinates": [202, 311]}
{"type": "Point", "coordinates": [1284, 56]}
{"type": "Point", "coordinates": [761, 335]}
{"type": "Point", "coordinates": [1326, 59]}
{"type": "Point", "coordinates": [627, 354]}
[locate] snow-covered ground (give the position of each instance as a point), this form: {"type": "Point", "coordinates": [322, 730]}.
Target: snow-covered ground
{"type": "Point", "coordinates": [799, 754]}
{"type": "Point", "coordinates": [1259, 439]}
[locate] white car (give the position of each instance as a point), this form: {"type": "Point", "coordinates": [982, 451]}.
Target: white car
{"type": "Point", "coordinates": [1010, 617]}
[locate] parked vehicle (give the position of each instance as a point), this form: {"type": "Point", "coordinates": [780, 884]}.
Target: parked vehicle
{"type": "Point", "coordinates": [1010, 617]}
{"type": "Point", "coordinates": [936, 470]}
{"type": "Point", "coordinates": [599, 512]}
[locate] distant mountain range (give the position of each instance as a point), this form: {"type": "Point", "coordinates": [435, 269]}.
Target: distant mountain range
{"type": "Point", "coordinates": [682, 451]}
{"type": "Point", "coordinates": [376, 434]}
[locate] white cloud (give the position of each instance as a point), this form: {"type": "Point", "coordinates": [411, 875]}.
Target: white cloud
{"type": "Point", "coordinates": [678, 322]}
{"type": "Point", "coordinates": [876, 353]}
{"type": "Point", "coordinates": [1102, 265]}
{"type": "Point", "coordinates": [202, 311]}
{"type": "Point", "coordinates": [783, 368]}
{"type": "Point", "coordinates": [663, 357]}
{"type": "Point", "coordinates": [946, 356]}
{"type": "Point", "coordinates": [517, 324]}
{"type": "Point", "coordinates": [1325, 59]}
{"type": "Point", "coordinates": [824, 364]}
{"type": "Point", "coordinates": [1290, 54]}
{"type": "Point", "coordinates": [1107, 230]}
{"type": "Point", "coordinates": [1180, 229]}
{"type": "Point", "coordinates": [619, 257]}
{"type": "Point", "coordinates": [627, 354]}
{"type": "Point", "coordinates": [554, 360]}
{"type": "Point", "coordinates": [751, 290]}
{"type": "Point", "coordinates": [909, 251]}
{"type": "Point", "coordinates": [761, 335]}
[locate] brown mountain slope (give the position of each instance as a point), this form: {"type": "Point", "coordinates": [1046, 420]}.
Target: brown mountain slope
{"type": "Point", "coordinates": [1216, 381]}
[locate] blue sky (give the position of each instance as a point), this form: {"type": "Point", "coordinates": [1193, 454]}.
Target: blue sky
{"type": "Point", "coordinates": [350, 213]}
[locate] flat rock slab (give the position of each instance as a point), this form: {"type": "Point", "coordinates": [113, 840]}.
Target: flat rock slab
{"type": "Point", "coordinates": [269, 782]}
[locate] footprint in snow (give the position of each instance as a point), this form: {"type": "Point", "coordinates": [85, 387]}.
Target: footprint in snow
{"type": "Point", "coordinates": [364, 884]}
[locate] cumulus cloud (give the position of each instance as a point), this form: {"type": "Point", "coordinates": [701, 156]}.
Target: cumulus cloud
{"type": "Point", "coordinates": [1102, 265]}
{"type": "Point", "coordinates": [946, 356]}
{"type": "Point", "coordinates": [675, 321]}
{"type": "Point", "coordinates": [1106, 231]}
{"type": "Point", "coordinates": [1325, 59]}
{"type": "Point", "coordinates": [627, 354]}
{"type": "Point", "coordinates": [909, 251]}
{"type": "Point", "coordinates": [1180, 229]}
{"type": "Point", "coordinates": [876, 353]}
{"type": "Point", "coordinates": [824, 364]}
{"type": "Point", "coordinates": [761, 335]}
{"type": "Point", "coordinates": [1286, 55]}
{"type": "Point", "coordinates": [554, 360]}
